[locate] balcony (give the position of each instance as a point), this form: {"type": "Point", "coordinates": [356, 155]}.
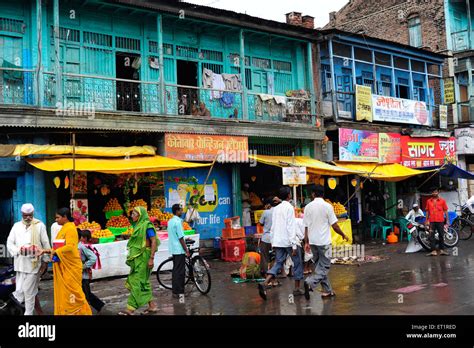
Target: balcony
{"type": "Point", "coordinates": [86, 94]}
{"type": "Point", "coordinates": [461, 40]}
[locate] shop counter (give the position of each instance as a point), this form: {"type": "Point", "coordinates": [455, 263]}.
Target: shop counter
{"type": "Point", "coordinates": [114, 255]}
{"type": "Point", "coordinates": [346, 227]}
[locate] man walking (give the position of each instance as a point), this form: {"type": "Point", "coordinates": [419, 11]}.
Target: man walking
{"type": "Point", "coordinates": [178, 249]}
{"type": "Point", "coordinates": [318, 218]}
{"type": "Point", "coordinates": [26, 240]}
{"type": "Point", "coordinates": [284, 242]}
{"type": "Point", "coordinates": [436, 218]}
{"type": "Point", "coordinates": [265, 243]}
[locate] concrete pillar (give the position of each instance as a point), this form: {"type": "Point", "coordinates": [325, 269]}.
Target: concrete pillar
{"type": "Point", "coordinates": [236, 191]}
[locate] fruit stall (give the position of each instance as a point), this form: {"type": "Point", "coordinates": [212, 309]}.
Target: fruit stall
{"type": "Point", "coordinates": [344, 223]}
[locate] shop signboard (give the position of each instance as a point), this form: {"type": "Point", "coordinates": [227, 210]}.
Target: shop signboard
{"type": "Point", "coordinates": [464, 141]}
{"type": "Point", "coordinates": [363, 103]}
{"type": "Point", "coordinates": [389, 148]}
{"type": "Point", "coordinates": [197, 147]}
{"type": "Point", "coordinates": [294, 175]}
{"type": "Point", "coordinates": [187, 186]}
{"type": "Point", "coordinates": [427, 152]}
{"type": "Point", "coordinates": [397, 110]}
{"type": "Point", "coordinates": [443, 116]}
{"type": "Point", "coordinates": [449, 96]}
{"type": "Point", "coordinates": [358, 145]}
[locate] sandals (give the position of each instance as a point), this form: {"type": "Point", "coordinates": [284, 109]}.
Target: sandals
{"type": "Point", "coordinates": [126, 312]}
{"type": "Point", "coordinates": [329, 295]}
{"type": "Point", "coordinates": [262, 292]}
{"type": "Point", "coordinates": [150, 311]}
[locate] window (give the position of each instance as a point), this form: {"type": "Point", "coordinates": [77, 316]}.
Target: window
{"type": "Point", "coordinates": [384, 85]}
{"type": "Point", "coordinates": [414, 30]}
{"type": "Point", "coordinates": [362, 54]}
{"type": "Point", "coordinates": [403, 88]}
{"type": "Point", "coordinates": [341, 50]}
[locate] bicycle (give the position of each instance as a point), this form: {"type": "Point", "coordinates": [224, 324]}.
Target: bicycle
{"type": "Point", "coordinates": [196, 271]}
{"type": "Point", "coordinates": [463, 224]}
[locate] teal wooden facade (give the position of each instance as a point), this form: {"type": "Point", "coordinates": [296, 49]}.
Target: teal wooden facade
{"type": "Point", "coordinates": [459, 30]}
{"type": "Point", "coordinates": [107, 58]}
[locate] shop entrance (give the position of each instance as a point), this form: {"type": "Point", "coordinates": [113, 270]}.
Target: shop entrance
{"type": "Point", "coordinates": [127, 67]}
{"type": "Point", "coordinates": [6, 211]}
{"type": "Point", "coordinates": [187, 76]}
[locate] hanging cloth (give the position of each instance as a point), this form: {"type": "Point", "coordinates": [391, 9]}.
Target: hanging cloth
{"type": "Point", "coordinates": [217, 83]}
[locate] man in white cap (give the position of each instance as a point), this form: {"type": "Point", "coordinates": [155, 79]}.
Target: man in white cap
{"type": "Point", "coordinates": [414, 213]}
{"type": "Point", "coordinates": [27, 239]}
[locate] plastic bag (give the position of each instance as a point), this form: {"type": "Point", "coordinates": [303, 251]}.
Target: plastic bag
{"type": "Point", "coordinates": [308, 256]}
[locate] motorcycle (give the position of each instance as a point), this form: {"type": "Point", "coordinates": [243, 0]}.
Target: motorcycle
{"type": "Point", "coordinates": [8, 306]}
{"type": "Point", "coordinates": [420, 234]}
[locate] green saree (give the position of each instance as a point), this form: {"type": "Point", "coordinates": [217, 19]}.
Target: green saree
{"type": "Point", "coordinates": [138, 281]}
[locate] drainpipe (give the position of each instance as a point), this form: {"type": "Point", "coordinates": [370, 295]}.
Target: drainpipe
{"type": "Point", "coordinates": [159, 27]}
{"type": "Point", "coordinates": [39, 63]}
{"type": "Point", "coordinates": [311, 81]}
{"type": "Point", "coordinates": [245, 114]}
{"type": "Point", "coordinates": [57, 63]}
{"type": "Point", "coordinates": [335, 112]}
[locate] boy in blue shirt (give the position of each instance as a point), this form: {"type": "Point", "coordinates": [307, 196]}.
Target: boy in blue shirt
{"type": "Point", "coordinates": [178, 250]}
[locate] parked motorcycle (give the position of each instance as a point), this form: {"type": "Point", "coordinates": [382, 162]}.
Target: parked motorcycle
{"type": "Point", "coordinates": [7, 287]}
{"type": "Point", "coordinates": [464, 224]}
{"type": "Point", "coordinates": [421, 234]}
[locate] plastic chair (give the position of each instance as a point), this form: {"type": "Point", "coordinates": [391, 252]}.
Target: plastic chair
{"type": "Point", "coordinates": [381, 224]}
{"type": "Point", "coordinates": [402, 222]}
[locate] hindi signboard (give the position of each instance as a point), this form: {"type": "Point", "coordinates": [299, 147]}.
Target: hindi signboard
{"type": "Point", "coordinates": [397, 110]}
{"type": "Point", "coordinates": [465, 141]}
{"type": "Point", "coordinates": [294, 175]}
{"type": "Point", "coordinates": [389, 148]}
{"type": "Point", "coordinates": [196, 147]}
{"type": "Point", "coordinates": [443, 116]}
{"type": "Point", "coordinates": [427, 152]}
{"type": "Point", "coordinates": [449, 96]}
{"type": "Point", "coordinates": [363, 103]}
{"type": "Point", "coordinates": [358, 145]}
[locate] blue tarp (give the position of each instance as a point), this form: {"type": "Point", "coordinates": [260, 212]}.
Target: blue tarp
{"type": "Point", "coordinates": [453, 171]}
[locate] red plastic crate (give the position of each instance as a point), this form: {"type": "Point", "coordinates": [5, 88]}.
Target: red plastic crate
{"type": "Point", "coordinates": [233, 233]}
{"type": "Point", "coordinates": [232, 250]}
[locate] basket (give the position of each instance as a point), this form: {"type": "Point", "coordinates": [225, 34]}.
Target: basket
{"type": "Point", "coordinates": [109, 214]}
{"type": "Point", "coordinates": [233, 233]}
{"type": "Point", "coordinates": [189, 232]}
{"type": "Point", "coordinates": [117, 230]}
{"type": "Point", "coordinates": [106, 240]}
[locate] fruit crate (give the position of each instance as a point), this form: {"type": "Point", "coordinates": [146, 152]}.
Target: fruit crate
{"type": "Point", "coordinates": [233, 233]}
{"type": "Point", "coordinates": [109, 214]}
{"type": "Point", "coordinates": [232, 250]}
{"type": "Point", "coordinates": [106, 240]}
{"type": "Point", "coordinates": [117, 230]}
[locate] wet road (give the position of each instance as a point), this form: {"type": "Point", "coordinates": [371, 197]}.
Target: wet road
{"type": "Point", "coordinates": [403, 284]}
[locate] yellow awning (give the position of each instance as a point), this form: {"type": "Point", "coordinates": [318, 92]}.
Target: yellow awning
{"type": "Point", "coordinates": [32, 149]}
{"type": "Point", "coordinates": [386, 172]}
{"type": "Point", "coordinates": [113, 166]}
{"type": "Point", "coordinates": [312, 166]}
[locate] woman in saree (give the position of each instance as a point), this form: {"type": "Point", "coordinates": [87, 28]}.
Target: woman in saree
{"type": "Point", "coordinates": [141, 253]}
{"type": "Point", "coordinates": [69, 299]}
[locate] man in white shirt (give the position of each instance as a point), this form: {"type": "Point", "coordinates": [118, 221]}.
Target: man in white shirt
{"type": "Point", "coordinates": [266, 241]}
{"type": "Point", "coordinates": [318, 218]}
{"type": "Point", "coordinates": [55, 228]}
{"type": "Point", "coordinates": [414, 213]}
{"type": "Point", "coordinates": [23, 236]}
{"type": "Point", "coordinates": [192, 215]}
{"type": "Point", "coordinates": [284, 242]}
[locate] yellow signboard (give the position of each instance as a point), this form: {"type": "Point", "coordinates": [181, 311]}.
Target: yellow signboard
{"type": "Point", "coordinates": [449, 97]}
{"type": "Point", "coordinates": [363, 103]}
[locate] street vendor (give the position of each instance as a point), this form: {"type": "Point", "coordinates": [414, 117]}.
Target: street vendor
{"type": "Point", "coordinates": [246, 204]}
{"type": "Point", "coordinates": [192, 215]}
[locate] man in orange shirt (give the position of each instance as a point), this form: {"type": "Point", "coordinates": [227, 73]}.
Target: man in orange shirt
{"type": "Point", "coordinates": [436, 216]}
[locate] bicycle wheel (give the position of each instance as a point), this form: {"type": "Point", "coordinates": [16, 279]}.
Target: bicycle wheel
{"type": "Point", "coordinates": [201, 274]}
{"type": "Point", "coordinates": [451, 238]}
{"type": "Point", "coordinates": [164, 274]}
{"type": "Point", "coordinates": [463, 227]}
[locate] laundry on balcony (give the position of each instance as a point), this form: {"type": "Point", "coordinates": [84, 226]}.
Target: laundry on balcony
{"type": "Point", "coordinates": [227, 100]}
{"type": "Point", "coordinates": [218, 86]}
{"type": "Point", "coordinates": [232, 82]}
{"type": "Point", "coordinates": [207, 78]}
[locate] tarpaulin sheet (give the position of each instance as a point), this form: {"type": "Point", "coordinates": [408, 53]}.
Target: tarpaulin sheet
{"type": "Point", "coordinates": [453, 171]}
{"type": "Point", "coordinates": [385, 172]}
{"type": "Point", "coordinates": [312, 166]}
{"type": "Point", "coordinates": [33, 149]}
{"type": "Point", "coordinates": [112, 166]}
